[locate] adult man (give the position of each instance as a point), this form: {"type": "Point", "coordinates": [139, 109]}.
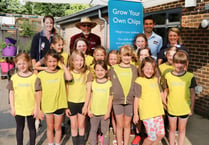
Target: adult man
{"type": "Point", "coordinates": [85, 25]}
{"type": "Point", "coordinates": [154, 41]}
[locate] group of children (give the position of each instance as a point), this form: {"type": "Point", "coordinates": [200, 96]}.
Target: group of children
{"type": "Point", "coordinates": [102, 87]}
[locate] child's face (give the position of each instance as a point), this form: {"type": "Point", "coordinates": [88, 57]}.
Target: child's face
{"type": "Point", "coordinates": [143, 53]}
{"type": "Point", "coordinates": [99, 55]}
{"type": "Point", "coordinates": [179, 67]}
{"type": "Point", "coordinates": [81, 45]}
{"type": "Point", "coordinates": [140, 42]}
{"type": "Point", "coordinates": [113, 59]}
{"type": "Point", "coordinates": [169, 56]}
{"type": "Point", "coordinates": [100, 72]}
{"type": "Point", "coordinates": [58, 47]}
{"type": "Point", "coordinates": [51, 63]}
{"type": "Point", "coordinates": [22, 66]}
{"type": "Point", "coordinates": [125, 59]}
{"type": "Point", "coordinates": [148, 70]}
{"type": "Point", "coordinates": [78, 62]}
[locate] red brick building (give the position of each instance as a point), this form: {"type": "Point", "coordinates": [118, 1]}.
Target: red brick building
{"type": "Point", "coordinates": [168, 13]}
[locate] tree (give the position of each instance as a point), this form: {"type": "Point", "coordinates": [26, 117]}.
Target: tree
{"type": "Point", "coordinates": [76, 8]}
{"type": "Point", "coordinates": [11, 6]}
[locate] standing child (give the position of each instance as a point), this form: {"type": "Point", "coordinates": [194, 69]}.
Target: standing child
{"type": "Point", "coordinates": [148, 99]}
{"type": "Point", "coordinates": [101, 103]}
{"type": "Point", "coordinates": [180, 93]}
{"type": "Point", "coordinates": [123, 76]}
{"type": "Point", "coordinates": [82, 45]}
{"type": "Point", "coordinates": [113, 59]}
{"type": "Point", "coordinates": [22, 90]}
{"type": "Point", "coordinates": [52, 91]}
{"type": "Point", "coordinates": [78, 97]}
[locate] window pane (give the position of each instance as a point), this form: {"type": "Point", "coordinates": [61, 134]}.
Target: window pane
{"type": "Point", "coordinates": [174, 17]}
{"type": "Point", "coordinates": [159, 18]}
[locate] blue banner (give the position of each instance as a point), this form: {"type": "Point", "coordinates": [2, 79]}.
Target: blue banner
{"type": "Point", "coordinates": [125, 22]}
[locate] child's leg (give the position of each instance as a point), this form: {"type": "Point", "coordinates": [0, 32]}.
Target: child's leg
{"type": "Point", "coordinates": [50, 127]}
{"type": "Point", "coordinates": [81, 126]}
{"type": "Point", "coordinates": [20, 125]}
{"type": "Point", "coordinates": [57, 126]}
{"type": "Point", "coordinates": [32, 129]}
{"type": "Point", "coordinates": [74, 125]}
{"type": "Point", "coordinates": [160, 129]}
{"type": "Point", "coordinates": [172, 129]}
{"type": "Point", "coordinates": [127, 126]}
{"type": "Point", "coordinates": [119, 128]}
{"type": "Point", "coordinates": [105, 130]}
{"type": "Point", "coordinates": [113, 122]}
{"type": "Point", "coordinates": [93, 130]}
{"type": "Point", "coordinates": [182, 130]}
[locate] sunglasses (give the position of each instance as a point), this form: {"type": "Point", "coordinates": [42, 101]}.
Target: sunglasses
{"type": "Point", "coordinates": [86, 25]}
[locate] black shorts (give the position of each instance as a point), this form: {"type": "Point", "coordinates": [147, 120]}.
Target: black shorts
{"type": "Point", "coordinates": [58, 112]}
{"type": "Point", "coordinates": [181, 116]}
{"type": "Point", "coordinates": [75, 108]}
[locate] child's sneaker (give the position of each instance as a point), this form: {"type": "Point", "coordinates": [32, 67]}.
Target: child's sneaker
{"type": "Point", "coordinates": [136, 140]}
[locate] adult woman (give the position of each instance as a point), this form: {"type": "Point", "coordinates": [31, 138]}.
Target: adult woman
{"type": "Point", "coordinates": [174, 39]}
{"type": "Point", "coordinates": [41, 41]}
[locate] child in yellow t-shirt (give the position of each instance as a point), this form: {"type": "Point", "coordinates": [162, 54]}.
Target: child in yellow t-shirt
{"type": "Point", "coordinates": [79, 90]}
{"type": "Point", "coordinates": [100, 103]}
{"type": "Point", "coordinates": [180, 93]}
{"type": "Point", "coordinates": [52, 94]}
{"type": "Point", "coordinates": [148, 102]}
{"type": "Point", "coordinates": [57, 43]}
{"type": "Point", "coordinates": [22, 96]}
{"type": "Point", "coordinates": [123, 76]}
{"type": "Point", "coordinates": [82, 45]}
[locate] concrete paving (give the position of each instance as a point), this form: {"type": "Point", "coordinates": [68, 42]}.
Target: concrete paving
{"type": "Point", "coordinates": [197, 129]}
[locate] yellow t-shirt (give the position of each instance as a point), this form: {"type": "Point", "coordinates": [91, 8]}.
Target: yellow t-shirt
{"type": "Point", "coordinates": [89, 60]}
{"type": "Point", "coordinates": [164, 69]}
{"type": "Point", "coordinates": [125, 77]}
{"type": "Point", "coordinates": [53, 91]}
{"type": "Point", "coordinates": [100, 97]}
{"type": "Point", "coordinates": [24, 94]}
{"type": "Point", "coordinates": [179, 93]}
{"type": "Point", "coordinates": [150, 102]}
{"type": "Point", "coordinates": [77, 87]}
{"type": "Point", "coordinates": [65, 56]}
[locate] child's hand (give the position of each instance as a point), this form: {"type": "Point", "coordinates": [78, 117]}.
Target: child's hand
{"type": "Point", "coordinates": [106, 116]}
{"type": "Point", "coordinates": [12, 111]}
{"type": "Point", "coordinates": [84, 110]}
{"type": "Point", "coordinates": [67, 112]}
{"type": "Point", "coordinates": [90, 114]}
{"type": "Point", "coordinates": [40, 115]}
{"type": "Point", "coordinates": [135, 119]}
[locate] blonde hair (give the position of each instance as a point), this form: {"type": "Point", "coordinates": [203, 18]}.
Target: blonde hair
{"type": "Point", "coordinates": [24, 56]}
{"type": "Point", "coordinates": [113, 52]}
{"type": "Point", "coordinates": [177, 31]}
{"type": "Point", "coordinates": [126, 50]}
{"type": "Point", "coordinates": [71, 60]}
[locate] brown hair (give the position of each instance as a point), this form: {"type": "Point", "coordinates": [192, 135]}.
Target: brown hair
{"type": "Point", "coordinates": [140, 35]}
{"type": "Point", "coordinates": [51, 17]}
{"type": "Point", "coordinates": [180, 56]}
{"type": "Point", "coordinates": [56, 39]}
{"type": "Point", "coordinates": [148, 60]}
{"type": "Point", "coordinates": [24, 56]}
{"type": "Point", "coordinates": [103, 64]}
{"type": "Point", "coordinates": [76, 43]}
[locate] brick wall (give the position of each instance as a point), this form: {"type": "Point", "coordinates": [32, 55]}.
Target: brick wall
{"type": "Point", "coordinates": [197, 41]}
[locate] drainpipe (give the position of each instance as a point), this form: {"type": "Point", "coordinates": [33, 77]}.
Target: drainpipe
{"type": "Point", "coordinates": [105, 28]}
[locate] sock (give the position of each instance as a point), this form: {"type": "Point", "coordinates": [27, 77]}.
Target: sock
{"type": "Point", "coordinates": [81, 140]}
{"type": "Point", "coordinates": [57, 143]}
{"type": "Point", "coordinates": [75, 140]}
{"type": "Point", "coordinates": [50, 143]}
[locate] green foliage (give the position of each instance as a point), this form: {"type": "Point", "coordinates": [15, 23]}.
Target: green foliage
{"type": "Point", "coordinates": [76, 8]}
{"type": "Point", "coordinates": [3, 45]}
{"type": "Point", "coordinates": [11, 6]}
{"type": "Point", "coordinates": [27, 29]}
